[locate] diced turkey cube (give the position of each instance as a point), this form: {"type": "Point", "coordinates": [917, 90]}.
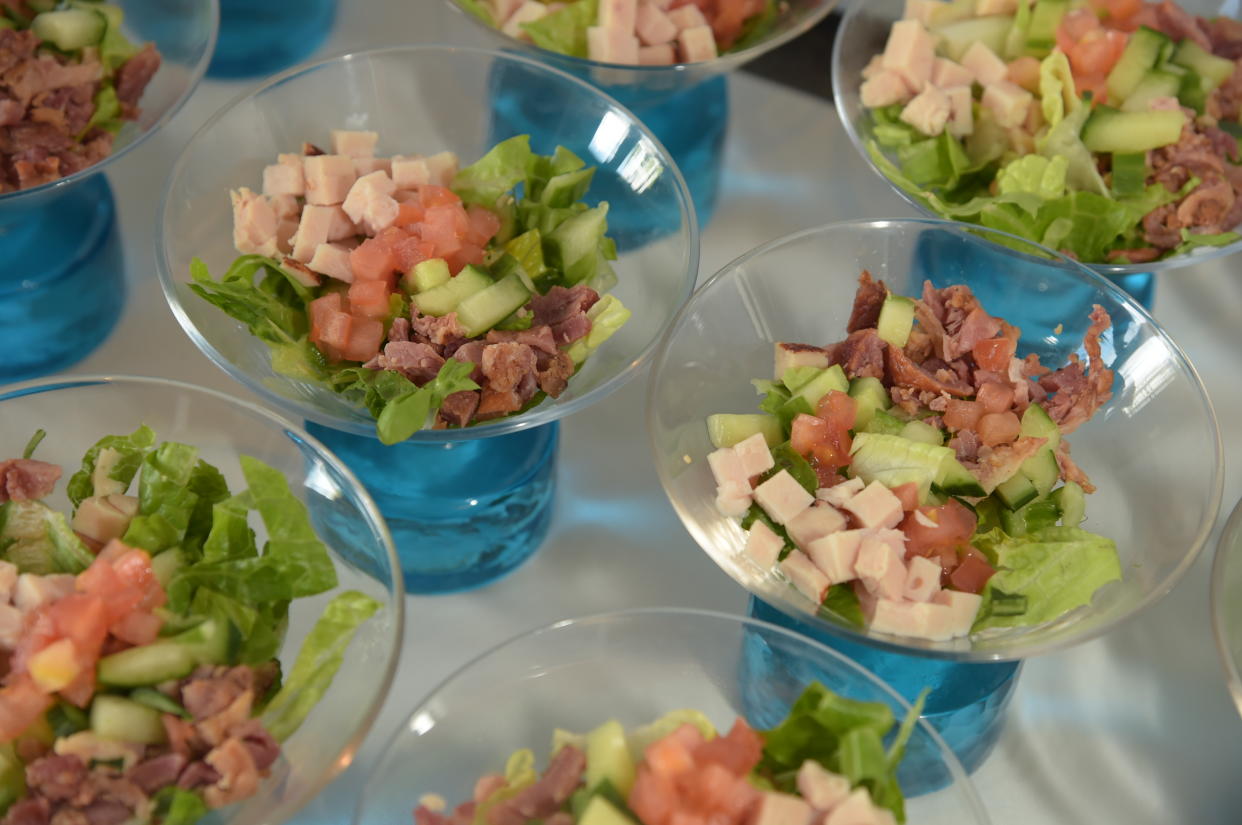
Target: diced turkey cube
{"type": "Point", "coordinates": [838, 494]}
{"type": "Point", "coordinates": [286, 228]}
{"type": "Point", "coordinates": [985, 8]}
{"type": "Point", "coordinates": [776, 808]}
{"type": "Point", "coordinates": [618, 14]}
{"type": "Point", "coordinates": [332, 260]}
{"type": "Point", "coordinates": [814, 523]}
{"type": "Point", "coordinates": [688, 16]}
{"type": "Point", "coordinates": [283, 179]}
{"type": "Point", "coordinates": [528, 12]}
{"type": "Point", "coordinates": [370, 203]}
{"type": "Point", "coordinates": [875, 506]}
{"type": "Point", "coordinates": [726, 466]}
{"type": "Point", "coordinates": [328, 178]}
{"type": "Point", "coordinates": [11, 623]}
{"type": "Point", "coordinates": [441, 168]}
{"type": "Point", "coordinates": [961, 111]}
{"type": "Point", "coordinates": [919, 620]}
{"type": "Point", "coordinates": [354, 144]}
{"type": "Point", "coordinates": [798, 355]}
{"type": "Point", "coordinates": [1008, 102]}
{"type": "Point", "coordinates": [884, 89]}
{"type": "Point", "coordinates": [928, 112]}
{"type": "Point", "coordinates": [254, 223]}
{"type": "Point", "coordinates": [754, 454]}
{"type": "Point", "coordinates": [662, 5]}
{"type": "Point", "coordinates": [32, 591]}
{"type": "Point", "coordinates": [836, 553]}
{"type": "Point", "coordinates": [733, 499]}
{"type": "Point", "coordinates": [923, 10]}
{"type": "Point", "coordinates": [611, 45]}
{"type": "Point", "coordinates": [782, 498]}
{"type": "Point", "coordinates": [289, 159]}
{"type": "Point", "coordinates": [653, 26]}
{"type": "Point", "coordinates": [946, 73]}
{"type": "Point", "coordinates": [874, 66]}
{"type": "Point", "coordinates": [411, 171]}
{"type": "Point", "coordinates": [104, 518]}
{"type": "Point", "coordinates": [858, 809]}
{"type": "Point", "coordinates": [820, 787]}
{"type": "Point", "coordinates": [697, 44]}
{"type": "Point", "coordinates": [8, 580]}
{"type": "Point", "coordinates": [763, 544]}
{"type": "Point", "coordinates": [881, 568]}
{"type": "Point", "coordinates": [285, 206]}
{"type": "Point", "coordinates": [963, 607]}
{"type": "Point", "coordinates": [804, 575]}
{"type": "Point", "coordinates": [661, 55]}
{"type": "Point", "coordinates": [340, 228]}
{"type": "Point", "coordinates": [313, 230]}
{"type": "Point", "coordinates": [365, 166]}
{"type": "Point", "coordinates": [922, 580]}
{"type": "Point", "coordinates": [911, 52]}
{"type": "Point", "coordinates": [984, 64]}
{"type": "Point", "coordinates": [503, 9]}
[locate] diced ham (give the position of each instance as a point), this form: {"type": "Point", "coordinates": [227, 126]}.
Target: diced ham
{"type": "Point", "coordinates": [922, 580]}
{"type": "Point", "coordinates": [653, 26]}
{"type": "Point", "coordinates": [442, 168]}
{"type": "Point", "coordinates": [880, 567]}
{"type": "Point", "coordinates": [961, 111]}
{"type": "Point", "coordinates": [32, 591]}
{"type": "Point", "coordinates": [776, 808]}
{"type": "Point", "coordinates": [611, 45]}
{"type": "Point", "coordinates": [814, 523]}
{"type": "Point", "coordinates": [885, 88]}
{"type": "Point", "coordinates": [661, 55]}
{"type": "Point", "coordinates": [763, 544]}
{"type": "Point", "coordinates": [313, 230]}
{"type": "Point", "coordinates": [782, 498]}
{"type": "Point", "coordinates": [727, 467]}
{"type": "Point", "coordinates": [858, 809]}
{"type": "Point", "coordinates": [697, 44]}
{"type": "Point", "coordinates": [1008, 103]}
{"type": "Point", "coordinates": [921, 620]}
{"type": "Point", "coordinates": [928, 111]}
{"type": "Point", "coordinates": [332, 260]}
{"type": "Point", "coordinates": [618, 14]}
{"type": "Point", "coordinates": [254, 223]}
{"type": "Point", "coordinates": [875, 506]}
{"type": "Point", "coordinates": [328, 178]}
{"type": "Point", "coordinates": [370, 204]}
{"type": "Point", "coordinates": [820, 787]}
{"type": "Point", "coordinates": [283, 179]}
{"type": "Point", "coordinates": [754, 454]}
{"type": "Point", "coordinates": [805, 576]}
{"type": "Point", "coordinates": [687, 16]}
{"type": "Point", "coordinates": [354, 144]}
{"type": "Point", "coordinates": [836, 553]}
{"type": "Point", "coordinates": [528, 12]}
{"type": "Point", "coordinates": [911, 52]}
{"type": "Point", "coordinates": [947, 73]}
{"type": "Point", "coordinates": [365, 166]}
{"type": "Point", "coordinates": [983, 64]}
{"type": "Point", "coordinates": [838, 494]}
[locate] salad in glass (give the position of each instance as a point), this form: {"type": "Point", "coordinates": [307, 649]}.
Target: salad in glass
{"type": "Point", "coordinates": [909, 477]}
{"type": "Point", "coordinates": [430, 294]}
{"type": "Point", "coordinates": [1106, 130]}
{"type": "Point", "coordinates": [140, 633]}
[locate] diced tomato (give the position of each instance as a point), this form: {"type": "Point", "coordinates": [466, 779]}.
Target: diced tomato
{"type": "Point", "coordinates": [138, 628]}
{"type": "Point", "coordinates": [446, 227]}
{"type": "Point", "coordinates": [972, 573]}
{"type": "Point", "coordinates": [998, 428]}
{"type": "Point", "coordinates": [365, 340]}
{"type": "Point", "coordinates": [81, 690]}
{"type": "Point", "coordinates": [838, 409]}
{"type": "Point", "coordinates": [908, 495]}
{"type": "Point", "coordinates": [994, 397]}
{"type": "Point", "coordinates": [688, 735]}
{"type": "Point", "coordinates": [686, 817]}
{"type": "Point", "coordinates": [730, 18]}
{"type": "Point", "coordinates": [334, 334]}
{"type": "Point", "coordinates": [135, 570]}
{"type": "Point", "coordinates": [962, 415]}
{"type": "Point", "coordinates": [83, 619]}
{"type": "Point", "coordinates": [467, 254]}
{"type": "Point", "coordinates": [391, 236]}
{"type": "Point", "coordinates": [39, 632]}
{"type": "Point", "coordinates": [368, 299]}
{"type": "Point", "coordinates": [1075, 25]}
{"type": "Point", "coordinates": [484, 224]}
{"type": "Point", "coordinates": [21, 704]}
{"type": "Point", "coordinates": [952, 526]}
{"type": "Point", "coordinates": [739, 750]}
{"type": "Point", "coordinates": [1095, 55]}
{"type": "Point", "coordinates": [827, 474]}
{"type": "Point", "coordinates": [807, 433]}
{"type": "Point", "coordinates": [320, 310]}
{"type": "Point", "coordinates": [372, 260]}
{"type": "Point", "coordinates": [431, 195]}
{"type": "Point", "coordinates": [413, 251]}
{"type": "Point", "coordinates": [652, 797]}
{"type": "Point", "coordinates": [1117, 10]}
{"type": "Point", "coordinates": [994, 354]}
{"type": "Point", "coordinates": [409, 213]}
{"type": "Point", "coordinates": [669, 757]}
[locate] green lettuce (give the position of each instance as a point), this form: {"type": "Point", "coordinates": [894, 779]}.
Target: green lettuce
{"type": "Point", "coordinates": [1056, 88]}
{"type": "Point", "coordinates": [493, 175]}
{"type": "Point", "coordinates": [565, 30]}
{"type": "Point", "coordinates": [757, 27]}
{"type": "Point", "coordinates": [166, 502]}
{"type": "Point", "coordinates": [409, 412]}
{"type": "Point", "coordinates": [841, 602]}
{"type": "Point", "coordinates": [292, 545]}
{"type": "Point", "coordinates": [1055, 570]}
{"type": "Point", "coordinates": [132, 449]}
{"type": "Point", "coordinates": [39, 539]}
{"type": "Point", "coordinates": [317, 662]}
{"type": "Point", "coordinates": [1063, 140]}
{"type": "Point", "coordinates": [1035, 174]}
{"type": "Point", "coordinates": [33, 443]}
{"type": "Point", "coordinates": [176, 806]}
{"type": "Point", "coordinates": [607, 316]}
{"type": "Point", "coordinates": [479, 10]}
{"type": "Point", "coordinates": [1192, 240]}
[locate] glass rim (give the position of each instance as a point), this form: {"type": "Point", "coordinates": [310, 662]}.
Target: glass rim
{"type": "Point", "coordinates": [1020, 650]}
{"type": "Point", "coordinates": [852, 9]}
{"type": "Point", "coordinates": [539, 415]}
{"type": "Point", "coordinates": [1230, 536]}
{"type": "Point", "coordinates": [961, 779]}
{"type": "Point", "coordinates": [197, 71]}
{"type": "Point", "coordinates": [721, 63]}
{"type": "Point", "coordinates": [397, 589]}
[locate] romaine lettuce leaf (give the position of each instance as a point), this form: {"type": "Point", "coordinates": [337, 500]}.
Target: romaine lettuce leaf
{"type": "Point", "coordinates": [1034, 174]}
{"type": "Point", "coordinates": [1057, 93]}
{"type": "Point", "coordinates": [756, 27]}
{"type": "Point", "coordinates": [565, 30]}
{"type": "Point", "coordinates": [175, 806]}
{"type": "Point", "coordinates": [1191, 240]}
{"type": "Point", "coordinates": [132, 449]}
{"type": "Point", "coordinates": [39, 539]}
{"type": "Point", "coordinates": [276, 316]}
{"type": "Point", "coordinates": [292, 546]}
{"type": "Point", "coordinates": [841, 602]}
{"type": "Point", "coordinates": [493, 175]}
{"type": "Point", "coordinates": [1063, 140]}
{"type": "Point", "coordinates": [230, 536]}
{"type": "Point", "coordinates": [479, 10]}
{"type": "Point", "coordinates": [407, 413]}
{"type": "Point", "coordinates": [166, 502]}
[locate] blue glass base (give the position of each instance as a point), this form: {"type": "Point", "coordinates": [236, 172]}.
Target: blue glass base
{"type": "Point", "coordinates": [462, 513]}
{"type": "Point", "coordinates": [260, 38]}
{"type": "Point", "coordinates": [63, 285]}
{"type": "Point", "coordinates": [1140, 285]}
{"type": "Point", "coordinates": [966, 704]}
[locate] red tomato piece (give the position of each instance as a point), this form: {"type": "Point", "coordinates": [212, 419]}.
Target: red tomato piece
{"type": "Point", "coordinates": [972, 573]}
{"type": "Point", "coordinates": [83, 619]}
{"type": "Point", "coordinates": [430, 195]}
{"type": "Point", "coordinates": [135, 570]}
{"type": "Point", "coordinates": [807, 433]}
{"type": "Point", "coordinates": [669, 756]}
{"type": "Point", "coordinates": [409, 213]}
{"type": "Point", "coordinates": [962, 415]}
{"type": "Point", "coordinates": [365, 342]}
{"type": "Point", "coordinates": [998, 428]}
{"type": "Point", "coordinates": [21, 704]}
{"type": "Point", "coordinates": [838, 409]}
{"type": "Point", "coordinates": [468, 253]}
{"type": "Point", "coordinates": [1024, 71]}
{"type": "Point", "coordinates": [81, 690]}
{"type": "Point", "coordinates": [320, 310]}
{"type": "Point", "coordinates": [994, 397]}
{"type": "Point", "coordinates": [1075, 25]}
{"type": "Point", "coordinates": [484, 224]}
{"type": "Point", "coordinates": [739, 750]}
{"type": "Point", "coordinates": [368, 299]}
{"type": "Point", "coordinates": [994, 354]}
{"type": "Point", "coordinates": [138, 628]}
{"type": "Point", "coordinates": [334, 334]}
{"type": "Point", "coordinates": [652, 798]}
{"type": "Point", "coordinates": [954, 524]}
{"type": "Point", "coordinates": [413, 251]}
{"type": "Point", "coordinates": [372, 260]}
{"type": "Point", "coordinates": [908, 495]}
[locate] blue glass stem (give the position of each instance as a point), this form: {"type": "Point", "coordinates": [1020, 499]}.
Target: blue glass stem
{"type": "Point", "coordinates": [261, 37]}
{"type": "Point", "coordinates": [462, 513]}
{"type": "Point", "coordinates": [966, 703]}
{"type": "Point", "coordinates": [1140, 285]}
{"type": "Point", "coordinates": [63, 285]}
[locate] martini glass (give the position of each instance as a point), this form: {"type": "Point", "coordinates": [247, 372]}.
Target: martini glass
{"type": "Point", "coordinates": [1227, 603]}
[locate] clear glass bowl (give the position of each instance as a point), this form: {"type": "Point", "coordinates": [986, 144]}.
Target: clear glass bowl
{"type": "Point", "coordinates": [68, 289]}
{"type": "Point", "coordinates": [862, 34]}
{"type": "Point", "coordinates": [1153, 450]}
{"type": "Point", "coordinates": [77, 412]}
{"type": "Point", "coordinates": [1227, 602]}
{"type": "Point", "coordinates": [425, 99]}
{"type": "Point", "coordinates": [632, 666]}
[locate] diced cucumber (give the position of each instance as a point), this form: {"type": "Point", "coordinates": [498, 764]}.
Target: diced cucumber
{"type": "Point", "coordinates": [883, 423]}
{"type": "Point", "coordinates": [956, 480]}
{"type": "Point", "coordinates": [1016, 491]}
{"type": "Point", "coordinates": [123, 720]}
{"type": "Point", "coordinates": [146, 665]}
{"type": "Point", "coordinates": [1129, 173]}
{"type": "Point", "coordinates": [1041, 34]}
{"type": "Point", "coordinates": [1110, 130]}
{"type": "Point", "coordinates": [69, 29]}
{"type": "Point", "coordinates": [896, 320]}
{"type": "Point", "coordinates": [1193, 91]}
{"type": "Point", "coordinates": [484, 309]}
{"type": "Point", "coordinates": [950, 12]}
{"type": "Point", "coordinates": [608, 758]}
{"type": "Point", "coordinates": [443, 299]}
{"type": "Point", "coordinates": [958, 36]}
{"type": "Point", "coordinates": [567, 188]}
{"type": "Point", "coordinates": [869, 394]}
{"type": "Point", "coordinates": [1140, 56]}
{"type": "Point", "coordinates": [796, 377]}
{"type": "Point", "coordinates": [164, 564]}
{"type": "Point", "coordinates": [1157, 83]}
{"type": "Point", "coordinates": [830, 379]}
{"type": "Point", "coordinates": [576, 241]}
{"type": "Point", "coordinates": [214, 641]}
{"type": "Point", "coordinates": [925, 433]}
{"type": "Point", "coordinates": [1072, 502]}
{"type": "Point", "coordinates": [1036, 423]}
{"type": "Point", "coordinates": [727, 429]}
{"type": "Point", "coordinates": [1036, 515]}
{"type": "Point", "coordinates": [426, 275]}
{"type": "Point", "coordinates": [599, 811]}
{"type": "Point", "coordinates": [174, 623]}
{"type": "Point", "coordinates": [887, 458]}
{"type": "Point", "coordinates": [152, 698]}
{"type": "Point", "coordinates": [1042, 470]}
{"type": "Point", "coordinates": [1215, 70]}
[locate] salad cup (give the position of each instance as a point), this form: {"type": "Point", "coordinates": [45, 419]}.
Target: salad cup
{"type": "Point", "coordinates": [799, 289]}
{"type": "Point", "coordinates": [76, 412]}
{"type": "Point", "coordinates": [1227, 603]}
{"type": "Point", "coordinates": [685, 105]}
{"type": "Point", "coordinates": [466, 505]}
{"type": "Point", "coordinates": [863, 32]}
{"type": "Point", "coordinates": [65, 289]}
{"type": "Point", "coordinates": [634, 666]}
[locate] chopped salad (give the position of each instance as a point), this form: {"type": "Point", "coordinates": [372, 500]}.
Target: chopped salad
{"type": "Point", "coordinates": [909, 478]}
{"type": "Point", "coordinates": [430, 294]}
{"type": "Point", "coordinates": [69, 80]}
{"type": "Point", "coordinates": [1107, 130]}
{"type": "Point", "coordinates": [140, 634]}
{"type": "Point", "coordinates": [634, 32]}
{"type": "Point", "coordinates": [827, 762]}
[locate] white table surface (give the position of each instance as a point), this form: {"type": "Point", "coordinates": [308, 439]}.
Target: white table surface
{"type": "Point", "coordinates": [1136, 727]}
